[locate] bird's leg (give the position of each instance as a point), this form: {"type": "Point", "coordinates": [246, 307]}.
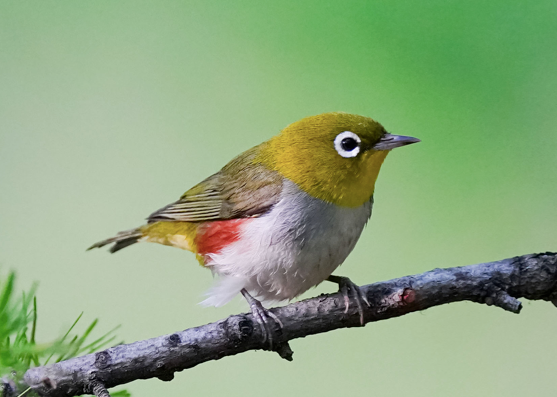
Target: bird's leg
{"type": "Point", "coordinates": [262, 317]}
{"type": "Point", "coordinates": [348, 288]}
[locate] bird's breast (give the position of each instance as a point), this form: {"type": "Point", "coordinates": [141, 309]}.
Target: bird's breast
{"type": "Point", "coordinates": [293, 247]}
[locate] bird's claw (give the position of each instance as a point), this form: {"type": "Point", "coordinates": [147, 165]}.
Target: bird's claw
{"type": "Point", "coordinates": [348, 289]}
{"type": "Point", "coordinates": [263, 316]}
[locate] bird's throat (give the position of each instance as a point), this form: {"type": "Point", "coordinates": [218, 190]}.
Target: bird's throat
{"type": "Point", "coordinates": [354, 189]}
{"type": "Point", "coordinates": [347, 183]}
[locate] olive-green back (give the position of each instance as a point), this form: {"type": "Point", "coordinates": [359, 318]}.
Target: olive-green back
{"type": "Point", "coordinates": [243, 188]}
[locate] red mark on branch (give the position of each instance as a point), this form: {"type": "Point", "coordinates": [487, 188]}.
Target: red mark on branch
{"type": "Point", "coordinates": [408, 295]}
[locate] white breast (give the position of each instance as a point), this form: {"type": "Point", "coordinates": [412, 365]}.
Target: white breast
{"type": "Point", "coordinates": [283, 253]}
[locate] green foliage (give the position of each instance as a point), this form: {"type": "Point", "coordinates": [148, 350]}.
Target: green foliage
{"type": "Point", "coordinates": [18, 324]}
{"type": "Point", "coordinates": [121, 393]}
{"type": "Point", "coordinates": [17, 350]}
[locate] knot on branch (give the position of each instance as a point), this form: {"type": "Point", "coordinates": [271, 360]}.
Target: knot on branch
{"type": "Point", "coordinates": [396, 298]}
{"type": "Point", "coordinates": [503, 300]}
{"type": "Point", "coordinates": [7, 388]}
{"type": "Point", "coordinates": [48, 383]}
{"type": "Point", "coordinates": [284, 351]}
{"type": "Point", "coordinates": [173, 340]}
{"type": "Point", "coordinates": [102, 359]}
{"type": "Point", "coordinates": [238, 330]}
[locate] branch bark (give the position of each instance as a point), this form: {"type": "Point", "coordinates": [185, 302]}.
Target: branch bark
{"type": "Point", "coordinates": [495, 283]}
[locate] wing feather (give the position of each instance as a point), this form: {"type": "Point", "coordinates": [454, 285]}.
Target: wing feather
{"type": "Point", "coordinates": [243, 188]}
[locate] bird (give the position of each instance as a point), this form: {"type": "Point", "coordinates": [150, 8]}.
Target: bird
{"type": "Point", "coordinates": [279, 218]}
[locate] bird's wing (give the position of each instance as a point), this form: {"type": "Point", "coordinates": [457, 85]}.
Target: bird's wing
{"type": "Point", "coordinates": [243, 188]}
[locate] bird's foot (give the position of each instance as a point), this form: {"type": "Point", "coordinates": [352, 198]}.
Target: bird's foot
{"type": "Point", "coordinates": [348, 289]}
{"type": "Point", "coordinates": [264, 318]}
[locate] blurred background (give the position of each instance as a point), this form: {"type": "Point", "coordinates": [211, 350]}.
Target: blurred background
{"type": "Point", "coordinates": [110, 110]}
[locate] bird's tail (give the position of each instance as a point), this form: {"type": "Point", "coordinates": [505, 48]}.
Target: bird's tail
{"type": "Point", "coordinates": [121, 240]}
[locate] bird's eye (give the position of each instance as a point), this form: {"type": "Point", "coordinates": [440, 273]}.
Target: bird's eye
{"type": "Point", "coordinates": [347, 144]}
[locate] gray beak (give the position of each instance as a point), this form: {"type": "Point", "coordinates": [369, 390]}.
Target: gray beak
{"type": "Point", "coordinates": [390, 141]}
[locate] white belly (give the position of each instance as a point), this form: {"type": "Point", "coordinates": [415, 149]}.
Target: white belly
{"type": "Point", "coordinates": [283, 253]}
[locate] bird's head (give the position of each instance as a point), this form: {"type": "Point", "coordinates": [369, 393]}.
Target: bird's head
{"type": "Point", "coordinates": [335, 157]}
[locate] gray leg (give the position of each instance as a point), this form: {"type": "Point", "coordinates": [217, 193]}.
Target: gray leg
{"type": "Point", "coordinates": [262, 316]}
{"type": "Point", "coordinates": [348, 288]}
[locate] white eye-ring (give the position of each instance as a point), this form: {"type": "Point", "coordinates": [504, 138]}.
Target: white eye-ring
{"type": "Point", "coordinates": [347, 144]}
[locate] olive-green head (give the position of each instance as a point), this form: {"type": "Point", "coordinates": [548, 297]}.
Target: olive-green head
{"type": "Point", "coordinates": [332, 156]}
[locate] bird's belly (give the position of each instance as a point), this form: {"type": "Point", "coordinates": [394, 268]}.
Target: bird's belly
{"type": "Point", "coordinates": [283, 253]}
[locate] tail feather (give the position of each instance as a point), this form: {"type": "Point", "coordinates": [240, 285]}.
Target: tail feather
{"type": "Point", "coordinates": [121, 240]}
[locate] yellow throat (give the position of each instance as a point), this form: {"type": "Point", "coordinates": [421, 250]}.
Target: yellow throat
{"type": "Point", "coordinates": [304, 152]}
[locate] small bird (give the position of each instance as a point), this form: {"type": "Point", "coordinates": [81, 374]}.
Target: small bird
{"type": "Point", "coordinates": [282, 216]}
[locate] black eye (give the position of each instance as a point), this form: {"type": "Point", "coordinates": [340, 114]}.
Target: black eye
{"type": "Point", "coordinates": [348, 144]}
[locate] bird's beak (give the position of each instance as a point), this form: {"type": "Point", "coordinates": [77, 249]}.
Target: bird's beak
{"type": "Point", "coordinates": [390, 141]}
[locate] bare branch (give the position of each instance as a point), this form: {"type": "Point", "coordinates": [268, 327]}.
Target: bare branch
{"type": "Point", "coordinates": [495, 283]}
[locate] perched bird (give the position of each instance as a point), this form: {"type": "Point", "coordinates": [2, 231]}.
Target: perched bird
{"type": "Point", "coordinates": [282, 216]}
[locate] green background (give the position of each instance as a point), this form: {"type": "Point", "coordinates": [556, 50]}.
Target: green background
{"type": "Point", "coordinates": [112, 109]}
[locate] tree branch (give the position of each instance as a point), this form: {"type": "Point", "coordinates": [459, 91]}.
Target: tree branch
{"type": "Point", "coordinates": [495, 283]}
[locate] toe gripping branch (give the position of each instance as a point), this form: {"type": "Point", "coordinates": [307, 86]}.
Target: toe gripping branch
{"type": "Point", "coordinates": [268, 323]}
{"type": "Point", "coordinates": [349, 291]}
{"type": "Point", "coordinates": [98, 389]}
